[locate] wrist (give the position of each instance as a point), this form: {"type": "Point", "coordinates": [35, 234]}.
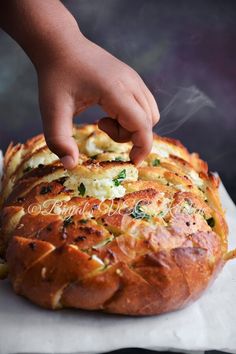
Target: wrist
{"type": "Point", "coordinates": [55, 50]}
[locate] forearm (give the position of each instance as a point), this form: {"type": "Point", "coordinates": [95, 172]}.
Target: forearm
{"type": "Point", "coordinates": [43, 28]}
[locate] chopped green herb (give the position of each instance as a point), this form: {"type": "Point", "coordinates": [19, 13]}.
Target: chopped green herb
{"type": "Point", "coordinates": [27, 169]}
{"type": "Point", "coordinates": [211, 222]}
{"type": "Point", "coordinates": [121, 176]}
{"type": "Point", "coordinates": [82, 189]}
{"type": "Point", "coordinates": [119, 158]}
{"type": "Point", "coordinates": [138, 213]}
{"type": "Point", "coordinates": [103, 243]}
{"type": "Point", "coordinates": [83, 221]}
{"type": "Point", "coordinates": [161, 214]}
{"type": "Point", "coordinates": [156, 162]}
{"type": "Point", "coordinates": [68, 221]}
{"type": "Point", "coordinates": [45, 190]}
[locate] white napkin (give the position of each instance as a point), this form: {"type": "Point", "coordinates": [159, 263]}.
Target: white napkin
{"type": "Point", "coordinates": [209, 323]}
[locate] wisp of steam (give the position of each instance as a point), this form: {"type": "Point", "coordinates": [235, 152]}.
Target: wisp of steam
{"type": "Point", "coordinates": [183, 105]}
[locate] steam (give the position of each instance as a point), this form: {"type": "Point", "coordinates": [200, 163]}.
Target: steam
{"type": "Point", "coordinates": [183, 105]}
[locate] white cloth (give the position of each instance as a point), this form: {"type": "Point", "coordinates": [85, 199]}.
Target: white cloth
{"type": "Point", "coordinates": [209, 323]}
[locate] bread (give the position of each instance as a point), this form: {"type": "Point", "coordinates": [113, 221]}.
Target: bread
{"type": "Point", "coordinates": [107, 235]}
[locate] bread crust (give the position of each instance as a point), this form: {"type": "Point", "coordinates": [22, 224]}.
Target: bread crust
{"type": "Point", "coordinates": [110, 236]}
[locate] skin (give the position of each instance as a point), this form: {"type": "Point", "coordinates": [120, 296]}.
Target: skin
{"type": "Point", "coordinates": [74, 74]}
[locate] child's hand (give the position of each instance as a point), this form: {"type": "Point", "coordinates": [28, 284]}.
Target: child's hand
{"type": "Point", "coordinates": [89, 75]}
{"type": "Point", "coordinates": [73, 74]}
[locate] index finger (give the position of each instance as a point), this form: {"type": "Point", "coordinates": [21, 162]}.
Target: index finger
{"type": "Point", "coordinates": [132, 117]}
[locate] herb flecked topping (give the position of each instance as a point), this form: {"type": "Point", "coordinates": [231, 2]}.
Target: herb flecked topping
{"type": "Point", "coordinates": [138, 213]}
{"type": "Point", "coordinates": [121, 176]}
{"type": "Point", "coordinates": [156, 162]}
{"type": "Point", "coordinates": [82, 189]}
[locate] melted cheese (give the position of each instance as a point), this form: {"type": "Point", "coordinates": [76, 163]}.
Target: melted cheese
{"type": "Point", "coordinates": [91, 148]}
{"type": "Point", "coordinates": [195, 178]}
{"type": "Point", "coordinates": [102, 188]}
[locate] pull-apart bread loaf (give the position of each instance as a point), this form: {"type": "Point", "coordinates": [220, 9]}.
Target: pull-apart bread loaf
{"type": "Point", "coordinates": [108, 235]}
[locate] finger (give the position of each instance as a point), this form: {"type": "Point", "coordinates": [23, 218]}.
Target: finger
{"type": "Point", "coordinates": [142, 145]}
{"type": "Point", "coordinates": [114, 130]}
{"type": "Point", "coordinates": [140, 97]}
{"type": "Point", "coordinates": [58, 127]}
{"type": "Point", "coordinates": [133, 119]}
{"type": "Point", "coordinates": [152, 104]}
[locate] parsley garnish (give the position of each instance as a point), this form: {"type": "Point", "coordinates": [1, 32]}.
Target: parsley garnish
{"type": "Point", "coordinates": [121, 176]}
{"type": "Point", "coordinates": [138, 213]}
{"type": "Point", "coordinates": [82, 189]}
{"type": "Point", "coordinates": [118, 158]}
{"type": "Point", "coordinates": [156, 162]}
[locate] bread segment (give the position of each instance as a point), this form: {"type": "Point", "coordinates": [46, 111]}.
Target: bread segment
{"type": "Point", "coordinates": [109, 235]}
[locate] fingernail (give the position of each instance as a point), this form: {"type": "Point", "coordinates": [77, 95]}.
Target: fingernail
{"type": "Point", "coordinates": [68, 162]}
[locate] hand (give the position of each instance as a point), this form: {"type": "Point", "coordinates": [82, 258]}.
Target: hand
{"type": "Point", "coordinates": [73, 74]}
{"type": "Point", "coordinates": [89, 75]}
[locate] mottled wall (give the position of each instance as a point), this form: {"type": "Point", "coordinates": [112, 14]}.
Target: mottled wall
{"type": "Point", "coordinates": [184, 50]}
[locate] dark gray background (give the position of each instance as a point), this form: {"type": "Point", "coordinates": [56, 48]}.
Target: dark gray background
{"type": "Point", "coordinates": [178, 47]}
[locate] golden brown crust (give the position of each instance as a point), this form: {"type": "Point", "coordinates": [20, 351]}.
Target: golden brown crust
{"type": "Point", "coordinates": [107, 235]}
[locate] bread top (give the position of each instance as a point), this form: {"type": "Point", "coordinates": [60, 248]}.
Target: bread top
{"type": "Point", "coordinates": [106, 200]}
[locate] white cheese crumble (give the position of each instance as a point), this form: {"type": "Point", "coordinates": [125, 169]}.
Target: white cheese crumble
{"type": "Point", "coordinates": [41, 159]}
{"type": "Point", "coordinates": [159, 150]}
{"type": "Point", "coordinates": [195, 178]}
{"type": "Point", "coordinates": [164, 150]}
{"type": "Point", "coordinates": [181, 188]}
{"type": "Point", "coordinates": [102, 188]}
{"type": "Point", "coordinates": [91, 148]}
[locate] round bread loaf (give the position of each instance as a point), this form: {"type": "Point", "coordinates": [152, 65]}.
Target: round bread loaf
{"type": "Point", "coordinates": [108, 235]}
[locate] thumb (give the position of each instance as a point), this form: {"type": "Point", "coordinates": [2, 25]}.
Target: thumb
{"type": "Point", "coordinates": [58, 128]}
